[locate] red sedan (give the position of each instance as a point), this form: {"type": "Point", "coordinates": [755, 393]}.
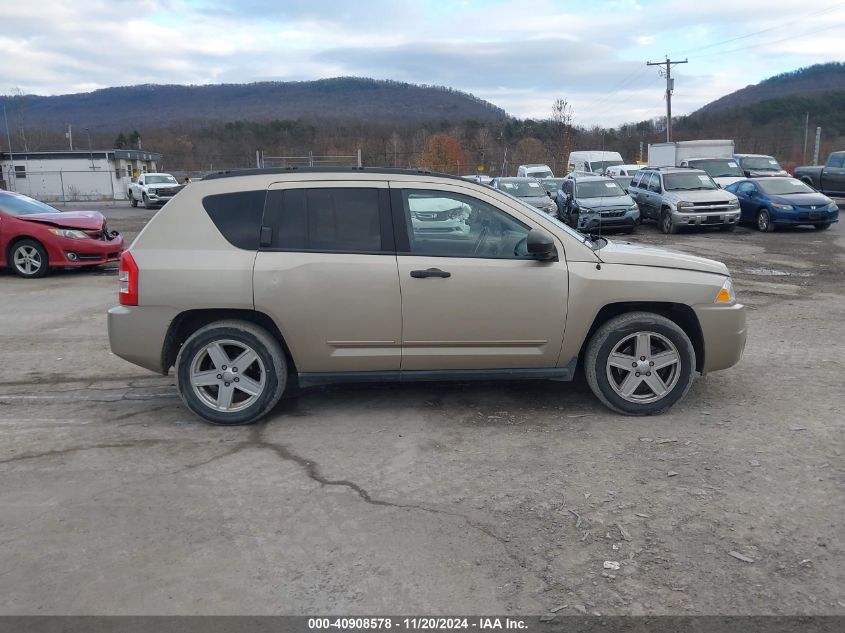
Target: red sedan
{"type": "Point", "coordinates": [35, 237]}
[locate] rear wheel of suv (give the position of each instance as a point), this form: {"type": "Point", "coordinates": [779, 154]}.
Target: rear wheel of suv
{"type": "Point", "coordinates": [667, 225]}
{"type": "Point", "coordinates": [640, 363]}
{"type": "Point", "coordinates": [231, 372]}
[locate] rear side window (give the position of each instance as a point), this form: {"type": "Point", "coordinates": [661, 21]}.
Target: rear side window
{"type": "Point", "coordinates": [335, 219]}
{"type": "Point", "coordinates": [237, 216]}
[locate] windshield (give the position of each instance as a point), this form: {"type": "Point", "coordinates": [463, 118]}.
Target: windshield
{"type": "Point", "coordinates": [170, 180]}
{"type": "Point", "coordinates": [553, 184]}
{"type": "Point", "coordinates": [21, 205]}
{"type": "Point", "coordinates": [760, 163]}
{"type": "Point", "coordinates": [539, 173]}
{"type": "Point", "coordinates": [688, 182]}
{"type": "Point", "coordinates": [718, 168]}
{"type": "Point", "coordinates": [598, 189]}
{"type": "Point", "coordinates": [599, 166]}
{"type": "Point", "coordinates": [783, 186]}
{"type": "Point", "coordinates": [522, 189]}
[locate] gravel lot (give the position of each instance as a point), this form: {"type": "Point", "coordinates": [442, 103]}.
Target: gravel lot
{"type": "Point", "coordinates": [434, 499]}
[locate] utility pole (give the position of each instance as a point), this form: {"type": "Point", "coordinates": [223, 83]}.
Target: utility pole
{"type": "Point", "coordinates": [69, 136]}
{"type": "Point", "coordinates": [670, 86]}
{"type": "Point", "coordinates": [11, 156]}
{"type": "Point", "coordinates": [90, 153]}
{"type": "Point", "coordinates": [818, 144]}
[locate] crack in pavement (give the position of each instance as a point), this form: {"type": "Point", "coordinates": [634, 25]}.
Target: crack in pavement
{"type": "Point", "coordinates": [76, 449]}
{"type": "Point", "coordinates": [311, 469]}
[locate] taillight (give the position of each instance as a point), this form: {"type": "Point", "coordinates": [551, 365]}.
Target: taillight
{"type": "Point", "coordinates": [128, 277]}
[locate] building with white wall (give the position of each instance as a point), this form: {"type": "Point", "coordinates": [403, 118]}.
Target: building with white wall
{"type": "Point", "coordinates": [69, 176]}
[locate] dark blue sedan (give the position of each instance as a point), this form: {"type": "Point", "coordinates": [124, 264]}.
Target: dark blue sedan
{"type": "Point", "coordinates": [770, 202]}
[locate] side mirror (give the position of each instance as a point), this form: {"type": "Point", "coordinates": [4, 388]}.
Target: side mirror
{"type": "Point", "coordinates": [541, 245]}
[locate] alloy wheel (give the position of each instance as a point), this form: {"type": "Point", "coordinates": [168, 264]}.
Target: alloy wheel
{"type": "Point", "coordinates": [643, 367]}
{"type": "Point", "coordinates": [763, 221]}
{"type": "Point", "coordinates": [27, 260]}
{"type": "Point", "coordinates": [228, 375]}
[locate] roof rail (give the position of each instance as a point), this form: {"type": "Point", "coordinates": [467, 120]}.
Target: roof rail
{"type": "Point", "coordinates": [263, 171]}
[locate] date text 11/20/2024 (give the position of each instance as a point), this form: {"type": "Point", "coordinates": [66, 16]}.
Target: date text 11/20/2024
{"type": "Point", "coordinates": [417, 624]}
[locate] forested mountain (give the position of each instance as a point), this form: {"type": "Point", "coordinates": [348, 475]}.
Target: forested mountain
{"type": "Point", "coordinates": [338, 99]}
{"type": "Point", "coordinates": [803, 82]}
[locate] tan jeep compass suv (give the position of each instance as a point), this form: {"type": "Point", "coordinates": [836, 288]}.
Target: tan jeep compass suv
{"type": "Point", "coordinates": [258, 281]}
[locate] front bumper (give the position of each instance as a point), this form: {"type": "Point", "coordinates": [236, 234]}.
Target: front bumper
{"type": "Point", "coordinates": [804, 216]}
{"type": "Point", "coordinates": [69, 253]}
{"type": "Point", "coordinates": [137, 334]}
{"type": "Point", "coordinates": [160, 200]}
{"type": "Point", "coordinates": [724, 332]}
{"type": "Point", "coordinates": [594, 220]}
{"type": "Point", "coordinates": [705, 218]}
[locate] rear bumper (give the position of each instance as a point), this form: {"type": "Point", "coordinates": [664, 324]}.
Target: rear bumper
{"type": "Point", "coordinates": [724, 334]}
{"type": "Point", "coordinates": [137, 334]}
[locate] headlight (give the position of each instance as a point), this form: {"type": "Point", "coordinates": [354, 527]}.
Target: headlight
{"type": "Point", "coordinates": [832, 206]}
{"type": "Point", "coordinates": [685, 205]}
{"type": "Point", "coordinates": [726, 293]}
{"type": "Point", "coordinates": [71, 234]}
{"type": "Point", "coordinates": [782, 207]}
{"type": "Point", "coordinates": [733, 204]}
{"type": "Point", "coordinates": [585, 210]}
{"type": "Point", "coordinates": [633, 208]}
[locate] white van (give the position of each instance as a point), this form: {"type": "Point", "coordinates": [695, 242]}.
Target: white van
{"type": "Point", "coordinates": [534, 170]}
{"type": "Point", "coordinates": [594, 161]}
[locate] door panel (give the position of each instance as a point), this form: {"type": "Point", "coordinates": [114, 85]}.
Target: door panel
{"type": "Point", "coordinates": [338, 311]}
{"type": "Point", "coordinates": [498, 311]}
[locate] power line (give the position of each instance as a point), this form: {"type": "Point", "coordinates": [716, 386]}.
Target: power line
{"type": "Point", "coordinates": [767, 30]}
{"type": "Point", "coordinates": [770, 42]}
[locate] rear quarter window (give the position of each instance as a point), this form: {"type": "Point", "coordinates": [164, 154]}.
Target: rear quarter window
{"type": "Point", "coordinates": [237, 216]}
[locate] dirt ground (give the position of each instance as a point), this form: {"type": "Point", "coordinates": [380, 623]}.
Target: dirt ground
{"type": "Point", "coordinates": [433, 498]}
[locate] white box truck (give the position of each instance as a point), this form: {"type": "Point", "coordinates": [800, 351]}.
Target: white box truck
{"type": "Point", "coordinates": [713, 156]}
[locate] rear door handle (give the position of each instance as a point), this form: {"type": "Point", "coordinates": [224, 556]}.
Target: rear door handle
{"type": "Point", "coordinates": [430, 272]}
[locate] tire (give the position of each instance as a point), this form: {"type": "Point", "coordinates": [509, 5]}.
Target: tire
{"type": "Point", "coordinates": [667, 226]}
{"type": "Point", "coordinates": [28, 259]}
{"type": "Point", "coordinates": [764, 222]}
{"type": "Point", "coordinates": [619, 337]}
{"type": "Point", "coordinates": [147, 204]}
{"type": "Point", "coordinates": [213, 347]}
{"type": "Point", "coordinates": [822, 227]}
{"type": "Point", "coordinates": [132, 201]}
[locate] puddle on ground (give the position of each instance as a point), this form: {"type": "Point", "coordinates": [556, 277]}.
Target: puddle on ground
{"type": "Point", "coordinates": [774, 272]}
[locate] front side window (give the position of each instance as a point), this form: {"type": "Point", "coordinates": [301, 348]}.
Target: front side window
{"type": "Point", "coordinates": [449, 224]}
{"type": "Point", "coordinates": [836, 160]}
{"type": "Point", "coordinates": [334, 219]}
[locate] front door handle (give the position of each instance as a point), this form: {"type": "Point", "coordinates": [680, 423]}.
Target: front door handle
{"type": "Point", "coordinates": [430, 272]}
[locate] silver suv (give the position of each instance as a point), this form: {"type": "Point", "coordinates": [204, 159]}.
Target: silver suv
{"type": "Point", "coordinates": [256, 282]}
{"type": "Point", "coordinates": [678, 196]}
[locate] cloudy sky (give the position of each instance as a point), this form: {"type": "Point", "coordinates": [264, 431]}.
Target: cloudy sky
{"type": "Point", "coordinates": [519, 54]}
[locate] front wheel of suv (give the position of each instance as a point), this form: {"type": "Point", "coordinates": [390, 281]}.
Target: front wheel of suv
{"type": "Point", "coordinates": [231, 372]}
{"type": "Point", "coordinates": [667, 225]}
{"type": "Point", "coordinates": [640, 363]}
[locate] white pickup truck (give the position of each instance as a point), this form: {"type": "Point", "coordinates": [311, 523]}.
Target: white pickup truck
{"type": "Point", "coordinates": [152, 190]}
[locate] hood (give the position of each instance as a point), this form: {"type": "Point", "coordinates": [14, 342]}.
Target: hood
{"type": "Point", "coordinates": [634, 254]}
{"type": "Point", "coordinates": [607, 202]}
{"type": "Point", "coordinates": [728, 180]}
{"type": "Point", "coordinates": [802, 199]}
{"type": "Point", "coordinates": [716, 196]}
{"type": "Point", "coordinates": [538, 201]}
{"type": "Point", "coordinates": [86, 220]}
